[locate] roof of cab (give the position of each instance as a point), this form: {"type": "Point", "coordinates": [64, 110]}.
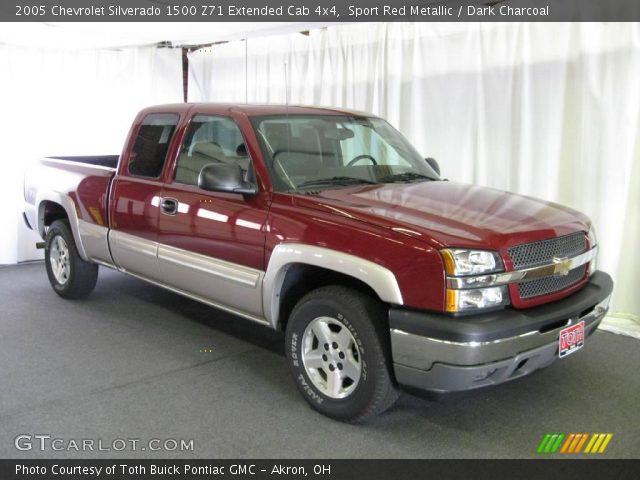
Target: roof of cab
{"type": "Point", "coordinates": [253, 110]}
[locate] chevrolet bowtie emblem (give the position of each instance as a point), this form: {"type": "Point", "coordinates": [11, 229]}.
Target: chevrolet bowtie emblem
{"type": "Point", "coordinates": [561, 266]}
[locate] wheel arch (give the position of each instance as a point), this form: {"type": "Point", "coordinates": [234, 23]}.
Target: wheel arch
{"type": "Point", "coordinates": [296, 269]}
{"type": "Point", "coordinates": [54, 206]}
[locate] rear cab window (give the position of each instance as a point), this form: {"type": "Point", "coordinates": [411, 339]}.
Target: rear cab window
{"type": "Point", "coordinates": [151, 144]}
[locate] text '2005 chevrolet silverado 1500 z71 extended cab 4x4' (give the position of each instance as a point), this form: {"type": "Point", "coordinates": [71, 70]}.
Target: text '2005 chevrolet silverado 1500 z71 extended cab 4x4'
{"type": "Point", "coordinates": [329, 225]}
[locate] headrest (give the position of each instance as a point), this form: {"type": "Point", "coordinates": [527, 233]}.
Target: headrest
{"type": "Point", "coordinates": [208, 149]}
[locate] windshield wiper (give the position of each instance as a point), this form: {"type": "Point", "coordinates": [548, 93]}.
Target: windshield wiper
{"type": "Point", "coordinates": [341, 181]}
{"type": "Point", "coordinates": [405, 177]}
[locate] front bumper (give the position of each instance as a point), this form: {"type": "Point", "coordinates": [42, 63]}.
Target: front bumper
{"type": "Point", "coordinates": [441, 353]}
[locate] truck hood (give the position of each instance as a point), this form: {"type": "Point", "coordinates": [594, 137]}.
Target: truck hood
{"type": "Point", "coordinates": [449, 214]}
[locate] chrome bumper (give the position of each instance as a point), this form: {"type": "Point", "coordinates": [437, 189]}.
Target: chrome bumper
{"type": "Point", "coordinates": [443, 362]}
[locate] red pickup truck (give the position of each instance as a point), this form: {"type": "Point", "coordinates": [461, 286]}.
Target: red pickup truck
{"type": "Point", "coordinates": [327, 224]}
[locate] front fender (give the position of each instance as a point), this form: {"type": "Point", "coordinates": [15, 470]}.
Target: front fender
{"type": "Point", "coordinates": [380, 279]}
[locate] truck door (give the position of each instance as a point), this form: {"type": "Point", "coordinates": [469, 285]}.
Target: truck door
{"type": "Point", "coordinates": [136, 193]}
{"type": "Point", "coordinates": [211, 244]}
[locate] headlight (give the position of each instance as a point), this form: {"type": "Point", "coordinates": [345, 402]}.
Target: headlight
{"type": "Point", "coordinates": [476, 298]}
{"type": "Point", "coordinates": [459, 261]}
{"type": "Point", "coordinates": [593, 241]}
{"type": "Point", "coordinates": [591, 236]}
{"type": "Point", "coordinates": [473, 269]}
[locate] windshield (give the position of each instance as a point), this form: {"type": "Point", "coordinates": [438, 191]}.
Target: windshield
{"type": "Point", "coordinates": [324, 151]}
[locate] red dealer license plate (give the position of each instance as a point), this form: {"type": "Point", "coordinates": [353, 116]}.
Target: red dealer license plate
{"type": "Point", "coordinates": [571, 339]}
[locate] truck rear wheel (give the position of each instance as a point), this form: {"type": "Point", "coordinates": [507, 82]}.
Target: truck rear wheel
{"type": "Point", "coordinates": [69, 275]}
{"type": "Point", "coordinates": [338, 350]}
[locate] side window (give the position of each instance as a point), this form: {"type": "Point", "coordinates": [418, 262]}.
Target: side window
{"type": "Point", "coordinates": [151, 144]}
{"type": "Point", "coordinates": [210, 139]}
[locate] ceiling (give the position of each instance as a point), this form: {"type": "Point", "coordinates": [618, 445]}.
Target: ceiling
{"type": "Point", "coordinates": [80, 35]}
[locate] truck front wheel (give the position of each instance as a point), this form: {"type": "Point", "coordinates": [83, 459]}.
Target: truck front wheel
{"type": "Point", "coordinates": [338, 350]}
{"type": "Point", "coordinates": [69, 275]}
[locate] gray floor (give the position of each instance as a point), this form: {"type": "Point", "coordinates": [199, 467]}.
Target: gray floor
{"type": "Point", "coordinates": [135, 361]}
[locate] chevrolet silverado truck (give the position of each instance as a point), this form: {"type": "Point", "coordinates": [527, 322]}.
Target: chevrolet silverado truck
{"type": "Point", "coordinates": [328, 225]}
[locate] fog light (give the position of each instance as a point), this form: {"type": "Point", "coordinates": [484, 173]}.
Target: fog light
{"type": "Point", "coordinates": [476, 298]}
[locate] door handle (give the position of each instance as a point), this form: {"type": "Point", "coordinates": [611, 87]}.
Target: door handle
{"type": "Point", "coordinates": [169, 206]}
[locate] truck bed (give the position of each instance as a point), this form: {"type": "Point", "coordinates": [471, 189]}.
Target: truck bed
{"type": "Point", "coordinates": [78, 184]}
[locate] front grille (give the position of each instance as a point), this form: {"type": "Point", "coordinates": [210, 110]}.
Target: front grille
{"type": "Point", "coordinates": [545, 285]}
{"type": "Point", "coordinates": [542, 253]}
{"type": "Point", "coordinates": [535, 254]}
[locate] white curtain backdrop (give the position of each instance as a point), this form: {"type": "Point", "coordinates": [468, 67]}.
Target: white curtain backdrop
{"type": "Point", "coordinates": [549, 110]}
{"type": "Point", "coordinates": [70, 102]}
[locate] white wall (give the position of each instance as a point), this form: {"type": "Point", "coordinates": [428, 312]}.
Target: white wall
{"type": "Point", "coordinates": [70, 102]}
{"type": "Point", "coordinates": [549, 110]}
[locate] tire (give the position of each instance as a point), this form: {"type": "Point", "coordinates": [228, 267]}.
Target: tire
{"type": "Point", "coordinates": [69, 275]}
{"type": "Point", "coordinates": [339, 354]}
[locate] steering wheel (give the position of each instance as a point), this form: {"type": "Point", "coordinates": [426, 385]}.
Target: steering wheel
{"type": "Point", "coordinates": [360, 157]}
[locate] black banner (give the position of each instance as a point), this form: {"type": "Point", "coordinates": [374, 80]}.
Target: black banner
{"type": "Point", "coordinates": [318, 10]}
{"type": "Point", "coordinates": [318, 469]}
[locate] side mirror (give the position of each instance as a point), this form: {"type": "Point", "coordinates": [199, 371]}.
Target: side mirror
{"type": "Point", "coordinates": [433, 164]}
{"type": "Point", "coordinates": [223, 177]}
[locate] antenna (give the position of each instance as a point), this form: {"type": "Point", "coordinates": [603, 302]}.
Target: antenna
{"type": "Point", "coordinates": [286, 87]}
{"type": "Point", "coordinates": [246, 70]}
{"type": "Point", "coordinates": [286, 102]}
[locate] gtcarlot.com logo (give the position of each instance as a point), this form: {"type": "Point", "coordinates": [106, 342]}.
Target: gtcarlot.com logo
{"type": "Point", "coordinates": [573, 443]}
{"type": "Point", "coordinates": [46, 442]}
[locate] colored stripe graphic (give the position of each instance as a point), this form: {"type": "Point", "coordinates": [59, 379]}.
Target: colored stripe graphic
{"type": "Point", "coordinates": [573, 443]}
{"type": "Point", "coordinates": [550, 443]}
{"type": "Point", "coordinates": [582, 440]}
{"type": "Point", "coordinates": [607, 439]}
{"type": "Point", "coordinates": [567, 442]}
{"type": "Point", "coordinates": [552, 439]}
{"type": "Point", "coordinates": [543, 443]}
{"type": "Point", "coordinates": [598, 443]}
{"type": "Point", "coordinates": [556, 445]}
{"type": "Point", "coordinates": [591, 442]}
